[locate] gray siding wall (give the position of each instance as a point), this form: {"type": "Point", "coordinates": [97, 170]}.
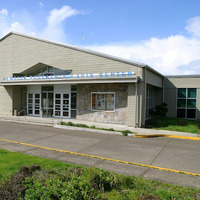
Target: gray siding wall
{"type": "Point", "coordinates": [141, 104]}
{"type": "Point", "coordinates": [19, 53]}
{"type": "Point", "coordinates": [131, 105]}
{"type": "Point", "coordinates": [153, 79]}
{"type": "Point", "coordinates": [136, 105]}
{"type": "Point", "coordinates": [170, 92]}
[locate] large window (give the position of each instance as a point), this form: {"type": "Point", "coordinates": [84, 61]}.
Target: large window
{"type": "Point", "coordinates": [186, 103]}
{"type": "Point", "coordinates": [150, 100]}
{"type": "Point", "coordinates": [103, 101]}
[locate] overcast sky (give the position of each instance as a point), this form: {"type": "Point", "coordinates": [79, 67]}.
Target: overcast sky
{"type": "Point", "coordinates": [164, 34]}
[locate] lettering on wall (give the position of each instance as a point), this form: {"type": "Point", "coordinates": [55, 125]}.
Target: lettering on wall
{"type": "Point", "coordinates": [105, 75]}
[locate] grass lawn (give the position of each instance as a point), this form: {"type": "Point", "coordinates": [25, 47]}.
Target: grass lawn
{"type": "Point", "coordinates": [175, 124]}
{"type": "Point", "coordinates": [58, 180]}
{"type": "Point", "coordinates": [10, 162]}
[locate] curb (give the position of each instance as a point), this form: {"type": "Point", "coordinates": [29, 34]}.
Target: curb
{"type": "Point", "coordinates": [27, 122]}
{"type": "Point", "coordinates": [168, 136]}
{"type": "Point", "coordinates": [90, 130]}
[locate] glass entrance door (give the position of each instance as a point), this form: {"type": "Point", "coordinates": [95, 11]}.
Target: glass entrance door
{"type": "Point", "coordinates": [47, 104]}
{"type": "Point", "coordinates": [33, 104]}
{"type": "Point", "coordinates": [62, 105]}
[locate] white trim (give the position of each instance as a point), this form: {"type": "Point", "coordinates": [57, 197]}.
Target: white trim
{"type": "Point", "coordinates": [61, 105]}
{"type": "Point", "coordinates": [33, 104]}
{"type": "Point", "coordinates": [103, 93]}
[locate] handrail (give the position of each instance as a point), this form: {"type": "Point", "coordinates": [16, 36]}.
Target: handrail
{"type": "Point", "coordinates": [24, 110]}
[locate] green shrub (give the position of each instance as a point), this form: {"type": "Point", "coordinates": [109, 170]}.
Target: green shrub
{"type": "Point", "coordinates": [13, 186]}
{"type": "Point", "coordinates": [126, 132]}
{"type": "Point", "coordinates": [80, 183]}
{"type": "Point", "coordinates": [160, 111]}
{"type": "Point", "coordinates": [103, 180]}
{"type": "Point", "coordinates": [63, 123]}
{"type": "Point", "coordinates": [70, 124]}
{"type": "Point", "coordinates": [82, 125]}
{"type": "Point", "coordinates": [65, 184]}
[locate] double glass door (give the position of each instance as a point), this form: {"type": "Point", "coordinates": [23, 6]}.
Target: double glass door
{"type": "Point", "coordinates": [33, 104]}
{"type": "Point", "coordinates": [47, 104]}
{"type": "Point", "coordinates": [53, 104]}
{"type": "Point", "coordinates": [62, 105]}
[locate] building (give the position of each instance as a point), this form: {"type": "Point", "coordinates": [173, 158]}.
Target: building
{"type": "Point", "coordinates": [47, 79]}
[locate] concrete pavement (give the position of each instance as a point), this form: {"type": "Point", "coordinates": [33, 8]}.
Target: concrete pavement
{"type": "Point", "coordinates": [55, 121]}
{"type": "Point", "coordinates": [169, 153]}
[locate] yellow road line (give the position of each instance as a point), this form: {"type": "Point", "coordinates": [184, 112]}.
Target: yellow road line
{"type": "Point", "coordinates": [102, 158]}
{"type": "Point", "coordinates": [169, 136]}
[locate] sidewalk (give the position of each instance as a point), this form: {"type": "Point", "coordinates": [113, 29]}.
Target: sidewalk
{"type": "Point", "coordinates": [55, 121]}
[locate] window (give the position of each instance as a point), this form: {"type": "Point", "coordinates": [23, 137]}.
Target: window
{"type": "Point", "coordinates": [150, 100]}
{"type": "Point", "coordinates": [103, 101]}
{"type": "Point", "coordinates": [186, 103]}
{"type": "Point", "coordinates": [47, 70]}
{"type": "Point", "coordinates": [47, 88]}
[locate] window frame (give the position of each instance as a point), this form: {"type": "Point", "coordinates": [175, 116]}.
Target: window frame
{"type": "Point", "coordinates": [103, 93]}
{"type": "Point", "coordinates": [186, 104]}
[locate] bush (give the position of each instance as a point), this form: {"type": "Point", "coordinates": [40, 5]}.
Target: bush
{"type": "Point", "coordinates": [160, 111]}
{"type": "Point", "coordinates": [13, 186]}
{"type": "Point", "coordinates": [75, 183]}
{"type": "Point", "coordinates": [63, 123]}
{"type": "Point", "coordinates": [126, 132]}
{"type": "Point", "coordinates": [70, 124]}
{"type": "Point", "coordinates": [103, 180]}
{"type": "Point", "coordinates": [82, 125]}
{"type": "Point", "coordinates": [182, 123]}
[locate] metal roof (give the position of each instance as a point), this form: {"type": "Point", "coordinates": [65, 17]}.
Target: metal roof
{"type": "Point", "coordinates": [183, 76]}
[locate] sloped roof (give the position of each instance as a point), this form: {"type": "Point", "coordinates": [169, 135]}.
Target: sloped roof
{"type": "Point", "coordinates": [84, 50]}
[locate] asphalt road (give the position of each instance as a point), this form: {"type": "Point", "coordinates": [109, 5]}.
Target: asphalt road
{"type": "Point", "coordinates": [183, 155]}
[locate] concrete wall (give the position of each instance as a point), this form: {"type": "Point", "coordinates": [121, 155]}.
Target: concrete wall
{"type": "Point", "coordinates": [6, 104]}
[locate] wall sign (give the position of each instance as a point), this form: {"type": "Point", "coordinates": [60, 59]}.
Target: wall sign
{"type": "Point", "coordinates": [72, 76]}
